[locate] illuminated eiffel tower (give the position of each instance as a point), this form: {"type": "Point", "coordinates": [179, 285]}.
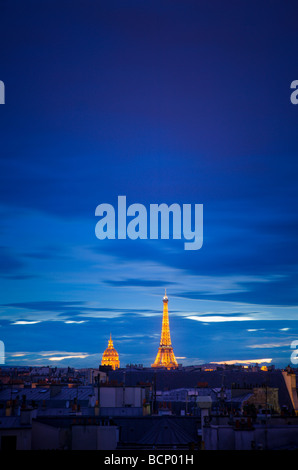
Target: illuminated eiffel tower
{"type": "Point", "coordinates": [165, 355]}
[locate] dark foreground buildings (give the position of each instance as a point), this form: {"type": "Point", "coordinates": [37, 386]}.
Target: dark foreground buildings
{"type": "Point", "coordinates": [136, 408]}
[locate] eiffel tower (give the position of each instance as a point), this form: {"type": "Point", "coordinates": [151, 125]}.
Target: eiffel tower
{"type": "Point", "coordinates": [165, 355]}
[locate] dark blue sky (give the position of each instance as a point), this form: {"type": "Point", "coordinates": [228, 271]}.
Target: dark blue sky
{"type": "Point", "coordinates": [164, 102]}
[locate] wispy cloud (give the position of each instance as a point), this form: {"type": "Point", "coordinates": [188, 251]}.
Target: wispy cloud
{"type": "Point", "coordinates": [218, 318]}
{"type": "Point", "coordinates": [70, 356]}
{"type": "Point", "coordinates": [53, 356]}
{"type": "Point", "coordinates": [252, 330]}
{"type": "Point", "coordinates": [268, 345]}
{"type": "Point", "coordinates": [74, 321]}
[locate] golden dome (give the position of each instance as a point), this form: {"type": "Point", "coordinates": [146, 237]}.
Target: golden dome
{"type": "Point", "coordinates": [110, 356]}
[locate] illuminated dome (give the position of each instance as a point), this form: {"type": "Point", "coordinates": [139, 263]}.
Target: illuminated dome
{"type": "Point", "coordinates": [110, 356]}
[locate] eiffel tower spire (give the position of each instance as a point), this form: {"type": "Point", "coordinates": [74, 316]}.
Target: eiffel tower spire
{"type": "Point", "coordinates": [165, 355]}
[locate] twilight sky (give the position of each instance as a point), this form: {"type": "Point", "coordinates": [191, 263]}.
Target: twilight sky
{"type": "Point", "coordinates": [164, 102]}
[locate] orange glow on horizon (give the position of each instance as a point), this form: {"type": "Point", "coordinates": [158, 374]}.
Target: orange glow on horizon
{"type": "Point", "coordinates": [247, 361]}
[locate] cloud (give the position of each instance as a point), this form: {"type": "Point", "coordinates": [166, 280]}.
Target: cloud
{"type": "Point", "coordinates": [45, 310]}
{"type": "Point", "coordinates": [60, 355]}
{"type": "Point", "coordinates": [49, 355]}
{"type": "Point", "coordinates": [52, 310]}
{"type": "Point", "coordinates": [268, 345]}
{"type": "Point", "coordinates": [26, 322]}
{"type": "Point", "coordinates": [275, 290]}
{"type": "Point", "coordinates": [46, 305]}
{"type": "Point", "coordinates": [74, 321]}
{"type": "Point", "coordinates": [250, 330]}
{"type": "Point", "coordinates": [70, 356]}
{"type": "Point", "coordinates": [218, 318]}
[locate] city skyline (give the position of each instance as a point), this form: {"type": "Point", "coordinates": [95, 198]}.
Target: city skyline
{"type": "Point", "coordinates": [65, 359]}
{"type": "Point", "coordinates": [186, 103]}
